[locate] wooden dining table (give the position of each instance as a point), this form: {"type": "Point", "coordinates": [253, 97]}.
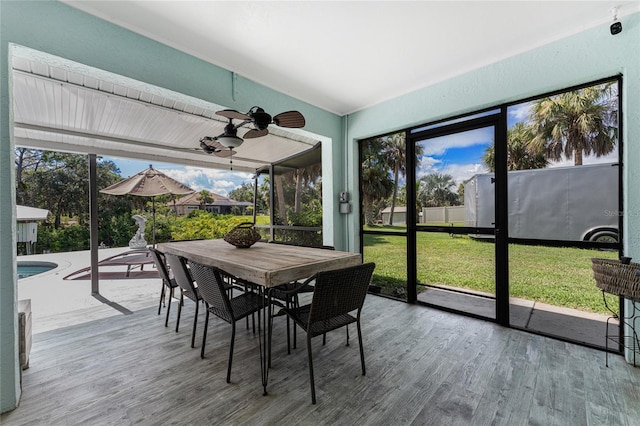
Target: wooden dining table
{"type": "Point", "coordinates": [266, 264]}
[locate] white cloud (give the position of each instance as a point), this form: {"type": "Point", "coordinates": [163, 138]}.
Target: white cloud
{"type": "Point", "coordinates": [519, 112]}
{"type": "Point", "coordinates": [439, 146]}
{"type": "Point", "coordinates": [219, 182]}
{"type": "Point", "coordinates": [428, 165]}
{"type": "Point", "coordinates": [459, 172]}
{"type": "Point", "coordinates": [463, 172]}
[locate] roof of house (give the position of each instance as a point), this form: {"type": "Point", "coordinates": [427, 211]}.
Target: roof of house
{"type": "Point", "coordinates": [30, 214]}
{"type": "Point", "coordinates": [218, 200]}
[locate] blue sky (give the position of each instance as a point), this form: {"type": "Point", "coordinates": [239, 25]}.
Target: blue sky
{"type": "Point", "coordinates": [460, 155]}
{"type": "Point", "coordinates": [213, 180]}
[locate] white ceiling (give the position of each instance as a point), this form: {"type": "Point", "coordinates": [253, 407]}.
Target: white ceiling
{"type": "Point", "coordinates": [345, 56]}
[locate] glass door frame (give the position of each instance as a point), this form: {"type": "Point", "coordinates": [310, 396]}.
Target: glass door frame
{"type": "Point", "coordinates": [495, 118]}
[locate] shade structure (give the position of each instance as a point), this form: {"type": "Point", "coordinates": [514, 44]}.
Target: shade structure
{"type": "Point", "coordinates": [148, 183]}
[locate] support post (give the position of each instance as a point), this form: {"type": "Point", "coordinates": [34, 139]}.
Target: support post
{"type": "Point", "coordinates": [93, 220]}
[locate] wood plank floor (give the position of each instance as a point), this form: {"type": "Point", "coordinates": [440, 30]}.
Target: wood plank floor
{"type": "Point", "coordinates": [424, 367]}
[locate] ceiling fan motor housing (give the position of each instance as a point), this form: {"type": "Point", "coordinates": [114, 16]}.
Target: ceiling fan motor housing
{"type": "Point", "coordinates": [260, 118]}
{"type": "Point", "coordinates": [230, 129]}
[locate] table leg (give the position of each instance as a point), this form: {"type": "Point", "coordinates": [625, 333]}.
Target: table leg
{"type": "Point", "coordinates": [263, 338]}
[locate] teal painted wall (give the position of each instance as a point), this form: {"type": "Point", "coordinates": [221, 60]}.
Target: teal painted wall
{"type": "Point", "coordinates": [58, 29]}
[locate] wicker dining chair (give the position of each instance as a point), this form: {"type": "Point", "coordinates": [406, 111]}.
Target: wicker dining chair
{"type": "Point", "coordinates": [286, 294]}
{"type": "Point", "coordinates": [212, 289]}
{"type": "Point", "coordinates": [168, 282]}
{"type": "Point", "coordinates": [337, 294]}
{"type": "Point", "coordinates": [187, 288]}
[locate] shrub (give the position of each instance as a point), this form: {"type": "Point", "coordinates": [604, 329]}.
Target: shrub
{"type": "Point", "coordinates": [201, 224]}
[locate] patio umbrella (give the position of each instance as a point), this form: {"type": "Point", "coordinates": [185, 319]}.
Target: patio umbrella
{"type": "Point", "coordinates": [148, 183]}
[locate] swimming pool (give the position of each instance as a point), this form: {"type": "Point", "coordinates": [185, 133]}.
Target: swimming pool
{"type": "Point", "coordinates": [29, 268]}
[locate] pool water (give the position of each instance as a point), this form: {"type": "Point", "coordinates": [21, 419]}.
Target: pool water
{"type": "Point", "coordinates": [29, 268]}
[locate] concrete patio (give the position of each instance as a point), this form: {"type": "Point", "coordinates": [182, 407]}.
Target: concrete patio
{"type": "Point", "coordinates": [57, 303]}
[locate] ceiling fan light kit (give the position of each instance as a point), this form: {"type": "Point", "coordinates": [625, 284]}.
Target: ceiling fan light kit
{"type": "Point", "coordinates": [230, 141]}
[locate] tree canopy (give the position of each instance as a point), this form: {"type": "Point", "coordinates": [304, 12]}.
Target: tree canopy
{"type": "Point", "coordinates": [576, 123]}
{"type": "Point", "coordinates": [520, 154]}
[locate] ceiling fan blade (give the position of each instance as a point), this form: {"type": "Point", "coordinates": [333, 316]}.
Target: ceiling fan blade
{"type": "Point", "coordinates": [253, 133]}
{"type": "Point", "coordinates": [291, 119]}
{"type": "Point", "coordinates": [224, 152]}
{"type": "Point", "coordinates": [233, 114]}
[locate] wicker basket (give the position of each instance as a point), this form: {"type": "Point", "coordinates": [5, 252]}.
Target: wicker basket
{"type": "Point", "coordinates": [243, 235]}
{"type": "Point", "coordinates": [617, 278]}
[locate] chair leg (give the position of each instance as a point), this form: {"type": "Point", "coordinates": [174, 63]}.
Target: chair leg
{"type": "Point", "coordinates": [288, 305]}
{"type": "Point", "coordinates": [296, 304]}
{"type": "Point", "coordinates": [180, 303]}
{"type": "Point", "coordinates": [161, 297]}
{"type": "Point", "coordinates": [204, 336]}
{"type": "Point", "coordinates": [311, 381]}
{"type": "Point", "coordinates": [166, 321]}
{"type": "Point", "coordinates": [233, 338]}
{"type": "Point", "coordinates": [361, 348]}
{"type": "Point", "coordinates": [247, 317]}
{"type": "Point", "coordinates": [269, 331]}
{"type": "Point", "coordinates": [347, 327]}
{"type": "Point", "coordinates": [195, 323]}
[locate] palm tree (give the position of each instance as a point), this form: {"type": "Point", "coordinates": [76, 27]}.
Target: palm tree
{"type": "Point", "coordinates": [395, 156]}
{"type": "Point", "coordinates": [520, 154]}
{"type": "Point", "coordinates": [376, 185]}
{"type": "Point", "coordinates": [395, 151]}
{"type": "Point", "coordinates": [308, 175]}
{"type": "Point", "coordinates": [205, 199]}
{"type": "Point", "coordinates": [376, 182]}
{"type": "Point", "coordinates": [434, 190]}
{"type": "Point", "coordinates": [576, 123]}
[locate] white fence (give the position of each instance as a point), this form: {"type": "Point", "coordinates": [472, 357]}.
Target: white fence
{"type": "Point", "coordinates": [448, 214]}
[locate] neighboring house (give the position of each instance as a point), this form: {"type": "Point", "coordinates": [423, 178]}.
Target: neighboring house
{"type": "Point", "coordinates": [399, 215]}
{"type": "Point", "coordinates": [220, 205]}
{"type": "Point", "coordinates": [27, 226]}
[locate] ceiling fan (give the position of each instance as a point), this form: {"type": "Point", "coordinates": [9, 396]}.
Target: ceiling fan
{"type": "Point", "coordinates": [257, 119]}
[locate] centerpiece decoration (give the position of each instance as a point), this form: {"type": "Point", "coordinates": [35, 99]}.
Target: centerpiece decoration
{"type": "Point", "coordinates": [243, 235]}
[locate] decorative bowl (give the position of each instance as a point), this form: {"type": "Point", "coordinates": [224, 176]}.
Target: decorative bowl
{"type": "Point", "coordinates": [243, 235]}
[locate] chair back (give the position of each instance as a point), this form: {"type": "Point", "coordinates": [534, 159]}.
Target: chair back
{"type": "Point", "coordinates": [181, 275]}
{"type": "Point", "coordinates": [212, 289]}
{"type": "Point", "coordinates": [340, 291]}
{"type": "Point", "coordinates": [161, 266]}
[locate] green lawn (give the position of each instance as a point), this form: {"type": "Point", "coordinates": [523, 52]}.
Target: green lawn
{"type": "Point", "coordinates": [553, 275]}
